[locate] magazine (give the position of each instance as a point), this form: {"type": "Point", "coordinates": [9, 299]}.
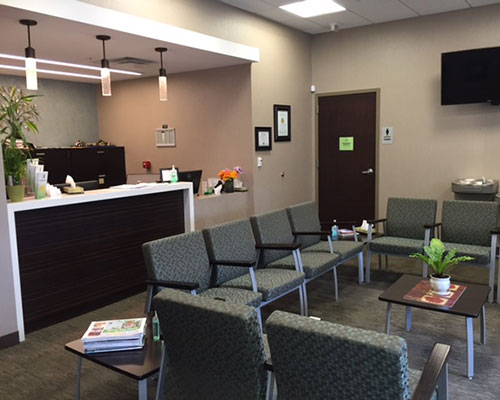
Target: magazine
{"type": "Point", "coordinates": [346, 233]}
{"type": "Point", "coordinates": [113, 330]}
{"type": "Point", "coordinates": [113, 345]}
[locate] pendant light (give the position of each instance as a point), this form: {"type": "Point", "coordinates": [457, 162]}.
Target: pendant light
{"type": "Point", "coordinates": [162, 78]}
{"type": "Point", "coordinates": [30, 61]}
{"type": "Point", "coordinates": [105, 73]}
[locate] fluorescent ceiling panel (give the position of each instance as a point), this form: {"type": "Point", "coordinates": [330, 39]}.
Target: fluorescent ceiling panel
{"type": "Point", "coordinates": [312, 8]}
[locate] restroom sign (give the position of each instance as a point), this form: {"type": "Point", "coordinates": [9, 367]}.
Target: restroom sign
{"type": "Point", "coordinates": [387, 135]}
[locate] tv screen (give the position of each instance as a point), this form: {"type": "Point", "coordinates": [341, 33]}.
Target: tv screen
{"type": "Point", "coordinates": [470, 76]}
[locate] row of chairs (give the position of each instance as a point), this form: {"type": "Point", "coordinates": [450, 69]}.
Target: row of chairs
{"type": "Point", "coordinates": [250, 261]}
{"type": "Point", "coordinates": [468, 226]}
{"type": "Point", "coordinates": [215, 350]}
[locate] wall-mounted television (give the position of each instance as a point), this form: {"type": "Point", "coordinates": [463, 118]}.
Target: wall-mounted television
{"type": "Point", "coordinates": [470, 76]}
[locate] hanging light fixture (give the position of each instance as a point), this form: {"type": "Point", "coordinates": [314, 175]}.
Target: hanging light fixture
{"type": "Point", "coordinates": [30, 61]}
{"type": "Point", "coordinates": [105, 73]}
{"type": "Point", "coordinates": [162, 78]}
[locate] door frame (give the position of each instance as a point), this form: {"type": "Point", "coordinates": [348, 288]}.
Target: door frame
{"type": "Point", "coordinates": [377, 140]}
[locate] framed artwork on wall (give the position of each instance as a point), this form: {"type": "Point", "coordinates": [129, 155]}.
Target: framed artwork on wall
{"type": "Point", "coordinates": [282, 123]}
{"type": "Point", "coordinates": [263, 141]}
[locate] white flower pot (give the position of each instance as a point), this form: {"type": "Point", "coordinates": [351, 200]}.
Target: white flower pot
{"type": "Point", "coordinates": [440, 285]}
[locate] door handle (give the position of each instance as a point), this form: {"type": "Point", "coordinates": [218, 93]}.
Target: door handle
{"type": "Point", "coordinates": [369, 171]}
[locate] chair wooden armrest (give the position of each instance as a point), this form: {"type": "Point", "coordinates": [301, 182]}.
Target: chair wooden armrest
{"type": "Point", "coordinates": [316, 233]}
{"type": "Point", "coordinates": [430, 226]}
{"type": "Point", "coordinates": [233, 263]}
{"type": "Point", "coordinates": [278, 246]}
{"type": "Point", "coordinates": [435, 366]}
{"type": "Point", "coordinates": [174, 284]}
{"type": "Point", "coordinates": [376, 221]}
{"type": "Point", "coordinates": [268, 366]}
{"type": "Point", "coordinates": [495, 231]}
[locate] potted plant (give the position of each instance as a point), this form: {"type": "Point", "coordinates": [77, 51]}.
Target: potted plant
{"type": "Point", "coordinates": [440, 262]}
{"type": "Point", "coordinates": [17, 113]}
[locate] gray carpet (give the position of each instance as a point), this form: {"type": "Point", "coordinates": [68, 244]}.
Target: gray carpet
{"type": "Point", "coordinates": [40, 368]}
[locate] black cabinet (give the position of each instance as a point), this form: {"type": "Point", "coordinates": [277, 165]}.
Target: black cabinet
{"type": "Point", "coordinates": [103, 164]}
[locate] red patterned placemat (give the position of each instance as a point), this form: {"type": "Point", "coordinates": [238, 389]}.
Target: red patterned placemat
{"type": "Point", "coordinates": [422, 292]}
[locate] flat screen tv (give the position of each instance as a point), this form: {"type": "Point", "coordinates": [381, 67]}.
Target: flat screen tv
{"type": "Point", "coordinates": [470, 76]}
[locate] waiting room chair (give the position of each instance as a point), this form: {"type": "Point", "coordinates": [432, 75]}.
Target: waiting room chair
{"type": "Point", "coordinates": [181, 262]}
{"type": "Point", "coordinates": [231, 243]}
{"type": "Point", "coordinates": [274, 227]}
{"type": "Point", "coordinates": [307, 228]}
{"type": "Point", "coordinates": [404, 229]}
{"type": "Point", "coordinates": [320, 360]}
{"type": "Point", "coordinates": [212, 349]}
{"type": "Point", "coordinates": [470, 227]}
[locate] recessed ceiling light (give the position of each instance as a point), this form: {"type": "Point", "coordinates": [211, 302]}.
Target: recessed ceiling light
{"type": "Point", "coordinates": [312, 8]}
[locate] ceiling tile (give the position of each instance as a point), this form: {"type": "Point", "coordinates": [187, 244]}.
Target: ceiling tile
{"type": "Point", "coordinates": [425, 7]}
{"type": "Point", "coordinates": [249, 5]}
{"type": "Point", "coordinates": [305, 25]}
{"type": "Point", "coordinates": [477, 3]}
{"type": "Point", "coordinates": [380, 10]}
{"type": "Point", "coordinates": [344, 20]}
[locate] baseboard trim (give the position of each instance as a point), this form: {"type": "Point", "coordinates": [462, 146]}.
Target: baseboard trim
{"type": "Point", "coordinates": [12, 339]}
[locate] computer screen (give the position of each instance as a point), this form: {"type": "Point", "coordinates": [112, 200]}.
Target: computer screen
{"type": "Point", "coordinates": [191, 176]}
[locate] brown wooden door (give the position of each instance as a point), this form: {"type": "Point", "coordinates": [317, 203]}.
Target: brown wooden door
{"type": "Point", "coordinates": [346, 179]}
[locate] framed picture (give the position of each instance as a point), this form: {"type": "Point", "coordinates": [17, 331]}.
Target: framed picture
{"type": "Point", "coordinates": [263, 138]}
{"type": "Point", "coordinates": [282, 123]}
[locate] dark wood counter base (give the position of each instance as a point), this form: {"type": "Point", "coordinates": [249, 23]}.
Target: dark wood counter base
{"type": "Point", "coordinates": [79, 257]}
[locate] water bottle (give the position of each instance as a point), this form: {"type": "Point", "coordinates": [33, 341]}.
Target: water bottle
{"type": "Point", "coordinates": [335, 230]}
{"type": "Point", "coordinates": [173, 175]}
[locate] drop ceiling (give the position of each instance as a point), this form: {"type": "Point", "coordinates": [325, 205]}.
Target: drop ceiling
{"type": "Point", "coordinates": [358, 12]}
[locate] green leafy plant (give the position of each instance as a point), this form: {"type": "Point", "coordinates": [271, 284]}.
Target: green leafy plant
{"type": "Point", "coordinates": [437, 259]}
{"type": "Point", "coordinates": [17, 113]}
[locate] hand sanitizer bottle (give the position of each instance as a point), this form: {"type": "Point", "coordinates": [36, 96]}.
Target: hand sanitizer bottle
{"type": "Point", "coordinates": [335, 230]}
{"type": "Point", "coordinates": [156, 328]}
{"type": "Point", "coordinates": [173, 175]}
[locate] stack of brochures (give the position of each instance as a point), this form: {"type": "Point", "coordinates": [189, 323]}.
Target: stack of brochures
{"type": "Point", "coordinates": [114, 335]}
{"type": "Point", "coordinates": [346, 233]}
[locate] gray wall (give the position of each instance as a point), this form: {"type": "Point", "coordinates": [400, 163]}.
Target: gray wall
{"type": "Point", "coordinates": [68, 111]}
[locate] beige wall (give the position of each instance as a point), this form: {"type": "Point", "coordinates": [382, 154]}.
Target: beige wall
{"type": "Point", "coordinates": [433, 144]}
{"type": "Point", "coordinates": [282, 77]}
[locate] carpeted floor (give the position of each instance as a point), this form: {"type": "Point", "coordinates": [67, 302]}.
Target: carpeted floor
{"type": "Point", "coordinates": [40, 368]}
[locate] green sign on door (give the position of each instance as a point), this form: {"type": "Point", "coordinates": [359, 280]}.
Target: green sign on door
{"type": "Point", "coordinates": [346, 143]}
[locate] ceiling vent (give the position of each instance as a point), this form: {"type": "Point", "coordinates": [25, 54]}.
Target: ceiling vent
{"type": "Point", "coordinates": [131, 60]}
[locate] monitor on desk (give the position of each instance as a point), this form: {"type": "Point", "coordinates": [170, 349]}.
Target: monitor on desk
{"type": "Point", "coordinates": [191, 176]}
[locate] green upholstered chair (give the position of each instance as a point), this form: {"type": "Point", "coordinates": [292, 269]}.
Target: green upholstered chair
{"type": "Point", "coordinates": [305, 223]}
{"type": "Point", "coordinates": [274, 227]}
{"type": "Point", "coordinates": [470, 227]}
{"type": "Point", "coordinates": [234, 241]}
{"type": "Point", "coordinates": [404, 229]}
{"type": "Point", "coordinates": [181, 262]}
{"type": "Point", "coordinates": [214, 349]}
{"type": "Point", "coordinates": [319, 360]}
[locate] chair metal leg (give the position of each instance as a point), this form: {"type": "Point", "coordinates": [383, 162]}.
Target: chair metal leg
{"type": "Point", "coordinates": [388, 318]}
{"type": "Point", "coordinates": [149, 298]}
{"type": "Point", "coordinates": [491, 282]}
{"type": "Point", "coordinates": [379, 261]}
{"type": "Point", "coordinates": [386, 261]}
{"type": "Point", "coordinates": [162, 374]}
{"type": "Point", "coordinates": [483, 325]}
{"type": "Point", "coordinates": [303, 300]}
{"type": "Point", "coordinates": [367, 268]}
{"type": "Point", "coordinates": [270, 385]}
{"type": "Point", "coordinates": [360, 268]}
{"type": "Point", "coordinates": [442, 384]}
{"type": "Point", "coordinates": [335, 283]}
{"type": "Point", "coordinates": [424, 270]}
{"type": "Point", "coordinates": [78, 372]}
{"type": "Point", "coordinates": [408, 318]}
{"type": "Point", "coordinates": [259, 317]}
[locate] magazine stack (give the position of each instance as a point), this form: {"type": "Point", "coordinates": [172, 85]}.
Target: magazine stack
{"type": "Point", "coordinates": [114, 335]}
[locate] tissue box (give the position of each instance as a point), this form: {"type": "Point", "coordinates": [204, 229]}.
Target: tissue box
{"type": "Point", "coordinates": [75, 190]}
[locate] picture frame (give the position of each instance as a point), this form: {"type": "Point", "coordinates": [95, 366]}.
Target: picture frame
{"type": "Point", "coordinates": [263, 138]}
{"type": "Point", "coordinates": [282, 123]}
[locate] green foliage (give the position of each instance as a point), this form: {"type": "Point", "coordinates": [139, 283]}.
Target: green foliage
{"type": "Point", "coordinates": [437, 259]}
{"type": "Point", "coordinates": [17, 113]}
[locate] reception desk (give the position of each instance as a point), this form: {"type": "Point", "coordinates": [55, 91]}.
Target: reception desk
{"type": "Point", "coordinates": [79, 252]}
